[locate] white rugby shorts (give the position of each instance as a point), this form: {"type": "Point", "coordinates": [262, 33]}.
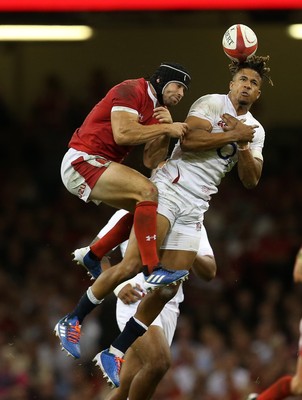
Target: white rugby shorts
{"type": "Point", "coordinates": [80, 172]}
{"type": "Point", "coordinates": [185, 213]}
{"type": "Point", "coordinates": [167, 319]}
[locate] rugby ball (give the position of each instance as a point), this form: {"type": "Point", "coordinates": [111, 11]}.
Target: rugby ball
{"type": "Point", "coordinates": [239, 42]}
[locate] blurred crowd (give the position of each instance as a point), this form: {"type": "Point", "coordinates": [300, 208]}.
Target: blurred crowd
{"type": "Point", "coordinates": [235, 335]}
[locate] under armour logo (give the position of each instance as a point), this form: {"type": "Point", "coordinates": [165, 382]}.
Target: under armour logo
{"type": "Point", "coordinates": [149, 238]}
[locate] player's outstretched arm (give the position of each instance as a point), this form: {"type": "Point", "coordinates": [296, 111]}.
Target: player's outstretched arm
{"type": "Point", "coordinates": [297, 273]}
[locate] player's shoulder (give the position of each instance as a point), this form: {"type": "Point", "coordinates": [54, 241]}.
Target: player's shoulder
{"type": "Point", "coordinates": [210, 99]}
{"type": "Point", "coordinates": [209, 104]}
{"type": "Point", "coordinates": [130, 91]}
{"type": "Point", "coordinates": [251, 120]}
{"type": "Point", "coordinates": [139, 83]}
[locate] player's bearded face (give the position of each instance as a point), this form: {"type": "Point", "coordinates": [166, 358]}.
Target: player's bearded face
{"type": "Point", "coordinates": [173, 93]}
{"type": "Point", "coordinates": [245, 87]}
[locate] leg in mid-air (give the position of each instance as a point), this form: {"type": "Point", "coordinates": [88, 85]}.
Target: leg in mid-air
{"type": "Point", "coordinates": [151, 305]}
{"type": "Point", "coordinates": [146, 362]}
{"type": "Point", "coordinates": [115, 232]}
{"type": "Point", "coordinates": [68, 329]}
{"type": "Point", "coordinates": [138, 379]}
{"type": "Point", "coordinates": [98, 180]}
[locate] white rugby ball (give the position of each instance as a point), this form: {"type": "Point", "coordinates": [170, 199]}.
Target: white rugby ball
{"type": "Point", "coordinates": [239, 42]}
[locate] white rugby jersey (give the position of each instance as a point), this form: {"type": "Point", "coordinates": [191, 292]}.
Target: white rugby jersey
{"type": "Point", "coordinates": [201, 172]}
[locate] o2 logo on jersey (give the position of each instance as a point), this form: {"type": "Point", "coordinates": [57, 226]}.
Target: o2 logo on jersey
{"type": "Point", "coordinates": [227, 151]}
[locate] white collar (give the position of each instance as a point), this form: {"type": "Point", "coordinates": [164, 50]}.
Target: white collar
{"type": "Point", "coordinates": [151, 95]}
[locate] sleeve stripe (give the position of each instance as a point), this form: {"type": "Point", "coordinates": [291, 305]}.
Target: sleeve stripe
{"type": "Point", "coordinates": [127, 109]}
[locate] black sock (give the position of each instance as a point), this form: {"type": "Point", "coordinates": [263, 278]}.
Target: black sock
{"type": "Point", "coordinates": [93, 256]}
{"type": "Point", "coordinates": [131, 332]}
{"type": "Point", "coordinates": [83, 308]}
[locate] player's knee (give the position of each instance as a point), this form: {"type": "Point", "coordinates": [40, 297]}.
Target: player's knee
{"type": "Point", "coordinates": [166, 293]}
{"type": "Point", "coordinates": [159, 367]}
{"type": "Point", "coordinates": [162, 367]}
{"type": "Point", "coordinates": [130, 267]}
{"type": "Point", "coordinates": [149, 192]}
{"type": "Point", "coordinates": [119, 393]}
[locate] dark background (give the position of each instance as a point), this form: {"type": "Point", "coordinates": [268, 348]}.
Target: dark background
{"type": "Point", "coordinates": [251, 309]}
{"type": "Point", "coordinates": [130, 44]}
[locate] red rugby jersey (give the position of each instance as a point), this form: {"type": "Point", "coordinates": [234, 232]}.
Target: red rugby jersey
{"type": "Point", "coordinates": [95, 134]}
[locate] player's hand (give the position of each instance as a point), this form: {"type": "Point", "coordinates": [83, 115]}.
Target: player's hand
{"type": "Point", "coordinates": [162, 114]}
{"type": "Point", "coordinates": [178, 130]}
{"type": "Point", "coordinates": [230, 121]}
{"type": "Point", "coordinates": [129, 294]}
{"type": "Point", "coordinates": [245, 133]}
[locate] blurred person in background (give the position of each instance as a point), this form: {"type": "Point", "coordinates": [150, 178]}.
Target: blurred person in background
{"type": "Point", "coordinates": [287, 386]}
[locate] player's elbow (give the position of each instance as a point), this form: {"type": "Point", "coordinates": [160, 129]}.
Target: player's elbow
{"type": "Point", "coordinates": [186, 146]}
{"type": "Point", "coordinates": [249, 181]}
{"type": "Point", "coordinates": [205, 268]}
{"type": "Point", "coordinates": [297, 277]}
{"type": "Point", "coordinates": [150, 163]}
{"type": "Point", "coordinates": [121, 139]}
{"type": "Point", "coordinates": [211, 274]}
{"type": "Point", "coordinates": [250, 184]}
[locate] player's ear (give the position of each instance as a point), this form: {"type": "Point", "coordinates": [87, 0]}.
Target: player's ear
{"type": "Point", "coordinates": [259, 94]}
{"type": "Point", "coordinates": [231, 84]}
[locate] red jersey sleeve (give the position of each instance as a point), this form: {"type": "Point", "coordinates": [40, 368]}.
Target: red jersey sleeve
{"type": "Point", "coordinates": [95, 135]}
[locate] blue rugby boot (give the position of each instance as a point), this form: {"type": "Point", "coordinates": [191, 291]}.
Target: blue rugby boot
{"type": "Point", "coordinates": [111, 365]}
{"type": "Point", "coordinates": [84, 257]}
{"type": "Point", "coordinates": [68, 330]}
{"type": "Point", "coordinates": [161, 276]}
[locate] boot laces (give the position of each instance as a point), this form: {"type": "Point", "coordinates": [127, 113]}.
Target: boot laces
{"type": "Point", "coordinates": [74, 332]}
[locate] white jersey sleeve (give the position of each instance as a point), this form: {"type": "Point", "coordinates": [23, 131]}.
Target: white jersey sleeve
{"type": "Point", "coordinates": [209, 107]}
{"type": "Point", "coordinates": [205, 248]}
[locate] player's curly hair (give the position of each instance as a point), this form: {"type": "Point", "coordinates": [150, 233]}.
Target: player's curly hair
{"type": "Point", "coordinates": [257, 63]}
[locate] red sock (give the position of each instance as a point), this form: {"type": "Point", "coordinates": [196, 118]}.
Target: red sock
{"type": "Point", "coordinates": [117, 235]}
{"type": "Point", "coordinates": [278, 390]}
{"type": "Point", "coordinates": [145, 232]}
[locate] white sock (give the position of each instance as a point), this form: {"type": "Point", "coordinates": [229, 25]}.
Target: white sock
{"type": "Point", "coordinates": [140, 323]}
{"type": "Point", "coordinates": [92, 297]}
{"type": "Point", "coordinates": [116, 352]}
